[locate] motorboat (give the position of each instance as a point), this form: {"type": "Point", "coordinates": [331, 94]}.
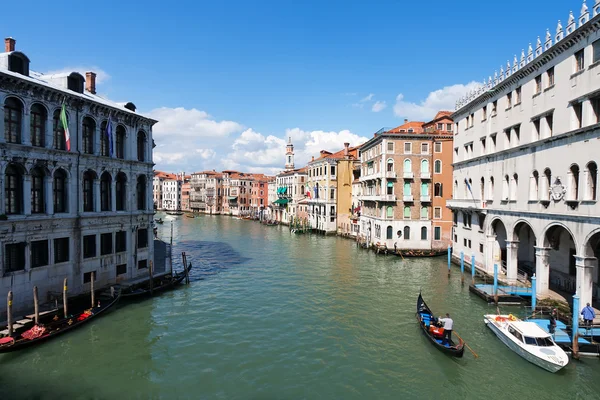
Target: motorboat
{"type": "Point", "coordinates": [528, 340]}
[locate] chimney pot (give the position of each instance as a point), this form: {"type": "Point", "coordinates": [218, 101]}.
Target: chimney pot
{"type": "Point", "coordinates": [90, 82]}
{"type": "Point", "coordinates": [346, 145]}
{"type": "Point", "coordinates": [9, 44]}
{"type": "Point", "coordinates": [405, 120]}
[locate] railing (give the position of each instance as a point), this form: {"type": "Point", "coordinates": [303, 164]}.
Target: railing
{"type": "Point", "coordinates": [425, 175]}
{"type": "Point", "coordinates": [466, 203]}
{"type": "Point", "coordinates": [407, 198]}
{"type": "Point", "coordinates": [425, 198]}
{"type": "Point", "coordinates": [391, 174]}
{"type": "Point", "coordinates": [408, 175]}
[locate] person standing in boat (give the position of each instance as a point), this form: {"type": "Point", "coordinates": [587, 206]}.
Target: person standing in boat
{"type": "Point", "coordinates": [588, 315]}
{"type": "Point", "coordinates": [448, 325]}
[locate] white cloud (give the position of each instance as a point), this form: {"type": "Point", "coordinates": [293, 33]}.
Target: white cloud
{"type": "Point", "coordinates": [206, 154]}
{"type": "Point", "coordinates": [378, 106]}
{"type": "Point", "coordinates": [441, 99]}
{"type": "Point", "coordinates": [369, 97]}
{"type": "Point", "coordinates": [183, 123]}
{"type": "Point", "coordinates": [101, 75]}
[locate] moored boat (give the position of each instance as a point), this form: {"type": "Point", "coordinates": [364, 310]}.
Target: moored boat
{"type": "Point", "coordinates": [29, 336]}
{"type": "Point", "coordinates": [159, 221]}
{"type": "Point", "coordinates": [174, 212]}
{"type": "Point", "coordinates": [528, 340]}
{"type": "Point", "coordinates": [427, 321]}
{"type": "Point", "coordinates": [162, 284]}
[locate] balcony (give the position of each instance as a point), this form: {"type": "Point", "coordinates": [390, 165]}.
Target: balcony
{"type": "Point", "coordinates": [369, 197]}
{"type": "Point", "coordinates": [409, 175]}
{"type": "Point", "coordinates": [408, 198]}
{"type": "Point", "coordinates": [425, 175]}
{"type": "Point", "coordinates": [466, 204]}
{"type": "Point", "coordinates": [425, 198]}
{"type": "Point", "coordinates": [391, 175]}
{"type": "Point", "coordinates": [369, 176]}
{"type": "Point", "coordinates": [388, 197]}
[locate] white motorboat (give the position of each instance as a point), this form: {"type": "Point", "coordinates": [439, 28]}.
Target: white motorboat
{"type": "Point", "coordinates": [528, 340]}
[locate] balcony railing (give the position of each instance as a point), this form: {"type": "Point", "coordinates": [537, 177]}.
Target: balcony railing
{"type": "Point", "coordinates": [425, 198]}
{"type": "Point", "coordinates": [409, 175]}
{"type": "Point", "coordinates": [425, 175]}
{"type": "Point", "coordinates": [408, 198]}
{"type": "Point", "coordinates": [391, 174]}
{"type": "Point", "coordinates": [466, 203]}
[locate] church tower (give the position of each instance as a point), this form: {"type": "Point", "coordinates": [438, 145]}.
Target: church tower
{"type": "Point", "coordinates": [289, 155]}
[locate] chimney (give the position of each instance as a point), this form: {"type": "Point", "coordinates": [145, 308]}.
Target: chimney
{"type": "Point", "coordinates": [405, 121]}
{"type": "Point", "coordinates": [313, 158]}
{"type": "Point", "coordinates": [90, 82]}
{"type": "Point", "coordinates": [346, 149]}
{"type": "Point", "coordinates": [9, 44]}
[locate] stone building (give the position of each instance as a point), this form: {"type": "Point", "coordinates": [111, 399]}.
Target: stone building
{"type": "Point", "coordinates": [171, 192]}
{"type": "Point", "coordinates": [186, 187]}
{"type": "Point", "coordinates": [402, 201]}
{"type": "Point", "coordinates": [75, 199]}
{"type": "Point", "coordinates": [291, 190]}
{"type": "Point", "coordinates": [526, 163]}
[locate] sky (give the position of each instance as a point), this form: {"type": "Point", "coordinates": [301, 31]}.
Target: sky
{"type": "Point", "coordinates": [230, 81]}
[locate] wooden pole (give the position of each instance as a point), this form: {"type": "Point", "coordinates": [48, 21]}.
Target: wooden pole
{"type": "Point", "coordinates": [185, 268]}
{"type": "Point", "coordinates": [92, 278]}
{"type": "Point", "coordinates": [171, 250]}
{"type": "Point", "coordinates": [9, 313]}
{"type": "Point", "coordinates": [36, 305]}
{"type": "Point", "coordinates": [465, 343]}
{"type": "Point", "coordinates": [65, 297]}
{"type": "Point", "coordinates": [462, 267]}
{"type": "Point", "coordinates": [151, 273]}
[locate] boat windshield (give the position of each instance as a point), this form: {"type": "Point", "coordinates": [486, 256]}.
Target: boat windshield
{"type": "Point", "coordinates": [543, 342]}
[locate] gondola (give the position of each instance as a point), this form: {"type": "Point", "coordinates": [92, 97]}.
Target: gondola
{"type": "Point", "coordinates": [421, 253]}
{"type": "Point", "coordinates": [174, 212]}
{"type": "Point", "coordinates": [426, 319]}
{"type": "Point", "coordinates": [162, 284]}
{"type": "Point", "coordinates": [30, 336]}
{"type": "Point", "coordinates": [159, 221]}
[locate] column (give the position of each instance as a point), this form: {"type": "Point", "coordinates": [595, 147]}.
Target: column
{"type": "Point", "coordinates": [542, 270]}
{"type": "Point", "coordinates": [97, 133]}
{"type": "Point", "coordinates": [488, 264]}
{"type": "Point", "coordinates": [512, 261]}
{"type": "Point", "coordinates": [585, 278]}
{"type": "Point", "coordinates": [49, 133]}
{"type": "Point", "coordinates": [27, 195]}
{"type": "Point", "coordinates": [96, 195]}
{"type": "Point", "coordinates": [26, 126]}
{"type": "Point", "coordinates": [48, 198]}
{"type": "Point", "coordinates": [113, 194]}
{"type": "Point", "coordinates": [2, 139]}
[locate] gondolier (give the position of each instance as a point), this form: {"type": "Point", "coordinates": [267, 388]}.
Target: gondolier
{"type": "Point", "coordinates": [448, 325]}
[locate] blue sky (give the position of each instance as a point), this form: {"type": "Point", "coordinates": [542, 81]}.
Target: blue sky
{"type": "Point", "coordinates": [230, 79]}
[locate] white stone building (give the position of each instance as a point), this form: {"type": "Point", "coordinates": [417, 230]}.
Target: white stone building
{"type": "Point", "coordinates": [526, 163]}
{"type": "Point", "coordinates": [171, 193]}
{"type": "Point", "coordinates": [69, 207]}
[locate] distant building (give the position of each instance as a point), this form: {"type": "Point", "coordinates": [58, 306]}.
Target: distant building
{"type": "Point", "coordinates": [186, 188]}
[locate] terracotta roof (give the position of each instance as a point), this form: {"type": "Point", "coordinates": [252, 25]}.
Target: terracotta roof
{"type": "Point", "coordinates": [416, 126]}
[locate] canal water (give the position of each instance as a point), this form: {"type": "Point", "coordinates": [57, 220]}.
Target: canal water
{"type": "Point", "coordinates": [271, 315]}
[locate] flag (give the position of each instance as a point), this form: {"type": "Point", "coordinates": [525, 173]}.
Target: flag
{"type": "Point", "coordinates": [468, 186]}
{"type": "Point", "coordinates": [109, 135]}
{"type": "Point", "coordinates": [65, 125]}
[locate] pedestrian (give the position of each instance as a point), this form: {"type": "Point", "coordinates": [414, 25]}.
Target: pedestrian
{"type": "Point", "coordinates": [553, 322]}
{"type": "Point", "coordinates": [448, 325]}
{"type": "Point", "coordinates": [588, 315]}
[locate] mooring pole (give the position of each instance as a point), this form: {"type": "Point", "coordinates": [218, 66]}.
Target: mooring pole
{"type": "Point", "coordinates": [9, 313]}
{"type": "Point", "coordinates": [65, 297]}
{"type": "Point", "coordinates": [496, 283]}
{"type": "Point", "coordinates": [449, 258]}
{"type": "Point", "coordinates": [575, 326]}
{"type": "Point", "coordinates": [473, 269]}
{"type": "Point", "coordinates": [36, 305]}
{"type": "Point", "coordinates": [92, 291]}
{"type": "Point", "coordinates": [462, 267]}
{"type": "Point", "coordinates": [151, 273]}
{"type": "Point", "coordinates": [171, 250]}
{"type": "Point", "coordinates": [533, 293]}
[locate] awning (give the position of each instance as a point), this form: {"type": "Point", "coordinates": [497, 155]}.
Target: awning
{"type": "Point", "coordinates": [232, 197]}
{"type": "Point", "coordinates": [281, 201]}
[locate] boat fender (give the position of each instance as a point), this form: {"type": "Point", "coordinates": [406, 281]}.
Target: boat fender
{"type": "Point", "coordinates": [511, 317]}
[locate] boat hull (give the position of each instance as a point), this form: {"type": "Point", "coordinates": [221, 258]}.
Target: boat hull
{"type": "Point", "coordinates": [454, 349]}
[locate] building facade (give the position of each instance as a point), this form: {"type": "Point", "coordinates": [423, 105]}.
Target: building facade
{"type": "Point", "coordinates": [75, 199]}
{"type": "Point", "coordinates": [526, 164]}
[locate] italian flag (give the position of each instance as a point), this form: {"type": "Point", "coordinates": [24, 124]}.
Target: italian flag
{"type": "Point", "coordinates": [65, 124]}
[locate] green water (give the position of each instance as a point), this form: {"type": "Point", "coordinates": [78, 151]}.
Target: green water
{"type": "Point", "coordinates": [269, 315]}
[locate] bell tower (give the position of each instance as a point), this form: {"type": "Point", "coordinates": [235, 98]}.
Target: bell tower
{"type": "Point", "coordinates": [289, 155]}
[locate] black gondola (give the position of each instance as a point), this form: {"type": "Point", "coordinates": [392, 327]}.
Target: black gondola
{"type": "Point", "coordinates": [159, 221]}
{"type": "Point", "coordinates": [426, 321]}
{"type": "Point", "coordinates": [162, 284]}
{"type": "Point", "coordinates": [36, 334]}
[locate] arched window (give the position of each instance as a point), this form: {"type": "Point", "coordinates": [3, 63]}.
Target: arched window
{"type": "Point", "coordinates": [505, 188]}
{"type": "Point", "coordinates": [455, 188]}
{"type": "Point", "coordinates": [104, 140]}
{"type": "Point", "coordinates": [407, 165]}
{"type": "Point", "coordinates": [89, 126]}
{"type": "Point", "coordinates": [390, 165]}
{"type": "Point", "coordinates": [491, 190]}
{"type": "Point", "coordinates": [141, 146]}
{"type": "Point", "coordinates": [37, 191]}
{"type": "Point", "coordinates": [437, 166]}
{"type": "Point", "coordinates": [38, 118]}
{"type": "Point", "coordinates": [88, 190]}
{"type": "Point", "coordinates": [105, 192]}
{"type": "Point", "coordinates": [424, 189]}
{"type": "Point", "coordinates": [482, 188]}
{"type": "Point", "coordinates": [591, 181]}
{"type": "Point", "coordinates": [390, 212]}
{"type": "Point", "coordinates": [425, 166]}
{"type": "Point", "coordinates": [423, 233]}
{"type": "Point", "coordinates": [13, 114]}
{"type": "Point", "coordinates": [545, 186]}
{"type": "Point", "coordinates": [60, 141]}
{"type": "Point", "coordinates": [407, 190]}
{"type": "Point", "coordinates": [60, 191]}
{"type": "Point", "coordinates": [437, 190]}
{"type": "Point", "coordinates": [13, 190]}
{"type": "Point", "coordinates": [141, 192]}
{"type": "Point", "coordinates": [389, 233]}
{"type": "Point", "coordinates": [573, 175]}
{"type": "Point", "coordinates": [407, 233]}
{"type": "Point", "coordinates": [514, 186]}
{"type": "Point", "coordinates": [120, 142]}
{"type": "Point", "coordinates": [534, 185]}
{"type": "Point", "coordinates": [424, 212]}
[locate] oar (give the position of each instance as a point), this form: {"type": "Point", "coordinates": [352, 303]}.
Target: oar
{"type": "Point", "coordinates": [468, 347]}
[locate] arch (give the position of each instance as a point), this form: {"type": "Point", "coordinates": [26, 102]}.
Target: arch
{"type": "Point", "coordinates": [526, 237]}
{"type": "Point", "coordinates": [140, 191]}
{"type": "Point", "coordinates": [591, 244]}
{"type": "Point", "coordinates": [545, 185]}
{"type": "Point", "coordinates": [141, 145]}
{"type": "Point", "coordinates": [60, 190]}
{"type": "Point", "coordinates": [18, 62]}
{"type": "Point", "coordinates": [425, 165]}
{"type": "Point", "coordinates": [38, 114]}
{"type": "Point", "coordinates": [58, 130]}
{"type": "Point", "coordinates": [491, 189]}
{"type": "Point", "coordinates": [13, 119]}
{"type": "Point", "coordinates": [591, 181]}
{"type": "Point", "coordinates": [13, 188]}
{"type": "Point", "coordinates": [390, 165]}
{"type": "Point", "coordinates": [423, 233]}
{"type": "Point", "coordinates": [482, 188]}
{"type": "Point", "coordinates": [120, 141]}
{"type": "Point", "coordinates": [89, 177]}
{"type": "Point", "coordinates": [38, 205]}
{"type": "Point", "coordinates": [437, 190]}
{"type": "Point", "coordinates": [549, 232]}
{"type": "Point", "coordinates": [88, 134]}
{"type": "Point", "coordinates": [389, 232]}
{"type": "Point", "coordinates": [437, 166]}
{"type": "Point", "coordinates": [497, 227]}
{"type": "Point", "coordinates": [455, 187]}
{"type": "Point", "coordinates": [561, 256]}
{"type": "Point", "coordinates": [105, 191]}
{"type": "Point", "coordinates": [75, 82]}
{"type": "Point", "coordinates": [104, 142]}
{"type": "Point", "coordinates": [505, 188]}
